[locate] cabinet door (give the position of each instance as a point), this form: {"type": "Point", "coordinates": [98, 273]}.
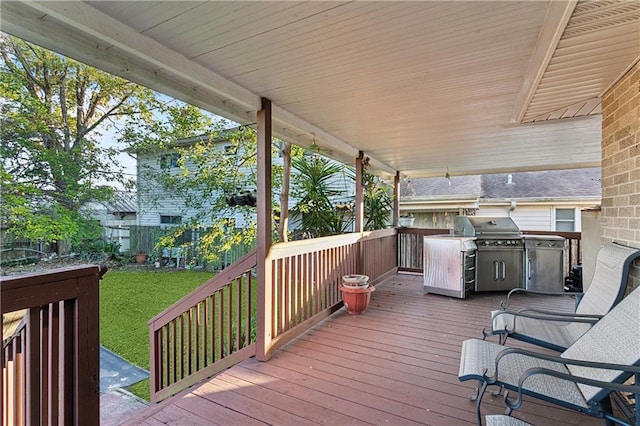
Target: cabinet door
{"type": "Point", "coordinates": [511, 273]}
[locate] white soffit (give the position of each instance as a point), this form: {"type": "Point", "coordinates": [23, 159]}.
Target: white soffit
{"type": "Point", "coordinates": [600, 42]}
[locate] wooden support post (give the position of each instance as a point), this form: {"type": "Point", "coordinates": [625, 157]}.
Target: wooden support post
{"type": "Point", "coordinates": [263, 323]}
{"type": "Point", "coordinates": [359, 211]}
{"type": "Point", "coordinates": [359, 207]}
{"type": "Point", "coordinates": [396, 199]}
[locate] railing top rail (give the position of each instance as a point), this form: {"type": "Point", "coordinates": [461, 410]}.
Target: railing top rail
{"type": "Point", "coordinates": [43, 287]}
{"type": "Point", "coordinates": [41, 277]}
{"type": "Point", "coordinates": [423, 231]}
{"type": "Point", "coordinates": [566, 234]}
{"type": "Point", "coordinates": [212, 285]}
{"type": "Point", "coordinates": [281, 250]}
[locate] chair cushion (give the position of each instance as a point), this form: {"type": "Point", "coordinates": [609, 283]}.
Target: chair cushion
{"type": "Point", "coordinates": [615, 339]}
{"type": "Point", "coordinates": [503, 420]}
{"type": "Point", "coordinates": [478, 355]}
{"type": "Point", "coordinates": [607, 286]}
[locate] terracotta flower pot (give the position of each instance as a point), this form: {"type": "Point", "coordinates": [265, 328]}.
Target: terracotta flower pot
{"type": "Point", "coordinates": [141, 257]}
{"type": "Point", "coordinates": [356, 299]}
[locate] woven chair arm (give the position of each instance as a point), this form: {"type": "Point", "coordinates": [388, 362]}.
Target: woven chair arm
{"type": "Point", "coordinates": [554, 358]}
{"type": "Point", "coordinates": [549, 316]}
{"type": "Point", "coordinates": [505, 303]}
{"type": "Point", "coordinates": [514, 404]}
{"type": "Point", "coordinates": [558, 314]}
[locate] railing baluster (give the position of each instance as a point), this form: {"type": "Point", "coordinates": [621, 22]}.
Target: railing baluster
{"type": "Point", "coordinates": [286, 301]}
{"type": "Point", "coordinates": [44, 363]}
{"type": "Point", "coordinates": [229, 336]}
{"type": "Point", "coordinates": [239, 314]}
{"type": "Point", "coordinates": [54, 359]}
{"type": "Point", "coordinates": [219, 328]}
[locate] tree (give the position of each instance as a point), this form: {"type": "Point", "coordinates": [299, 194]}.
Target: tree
{"type": "Point", "coordinates": [215, 182]}
{"type": "Point", "coordinates": [54, 111]}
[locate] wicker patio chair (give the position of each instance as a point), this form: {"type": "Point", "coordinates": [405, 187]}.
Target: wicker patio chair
{"type": "Point", "coordinates": [504, 420]}
{"type": "Point", "coordinates": [556, 330]}
{"type": "Point", "coordinates": [581, 378]}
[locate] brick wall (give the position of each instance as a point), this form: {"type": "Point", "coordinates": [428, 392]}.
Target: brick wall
{"type": "Point", "coordinates": [621, 164]}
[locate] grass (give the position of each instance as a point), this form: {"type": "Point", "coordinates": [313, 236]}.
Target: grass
{"type": "Point", "coordinates": [128, 299]}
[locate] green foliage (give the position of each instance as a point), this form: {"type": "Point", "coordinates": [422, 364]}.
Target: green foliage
{"type": "Point", "coordinates": [378, 202]}
{"type": "Point", "coordinates": [54, 111]}
{"type": "Point", "coordinates": [317, 186]}
{"type": "Point", "coordinates": [210, 168]}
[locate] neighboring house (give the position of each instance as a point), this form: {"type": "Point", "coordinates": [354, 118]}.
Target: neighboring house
{"type": "Point", "coordinates": [158, 206]}
{"type": "Point", "coordinates": [116, 217]}
{"type": "Point", "coordinates": [537, 201]}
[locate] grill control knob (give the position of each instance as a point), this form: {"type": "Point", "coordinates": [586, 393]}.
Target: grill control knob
{"type": "Point", "coordinates": [498, 243]}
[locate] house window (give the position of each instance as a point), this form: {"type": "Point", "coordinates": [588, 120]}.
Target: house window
{"type": "Point", "coordinates": [565, 220]}
{"type": "Point", "coordinates": [170, 220]}
{"type": "Point", "coordinates": [170, 161]}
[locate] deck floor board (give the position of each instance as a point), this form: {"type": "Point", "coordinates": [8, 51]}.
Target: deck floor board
{"type": "Point", "coordinates": [397, 364]}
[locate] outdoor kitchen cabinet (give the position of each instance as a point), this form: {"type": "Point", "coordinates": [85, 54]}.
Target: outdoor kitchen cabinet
{"type": "Point", "coordinates": [544, 262]}
{"type": "Point", "coordinates": [449, 265]}
{"type": "Point", "coordinates": [499, 269]}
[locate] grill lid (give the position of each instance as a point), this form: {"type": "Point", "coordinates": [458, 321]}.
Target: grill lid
{"type": "Point", "coordinates": [472, 226]}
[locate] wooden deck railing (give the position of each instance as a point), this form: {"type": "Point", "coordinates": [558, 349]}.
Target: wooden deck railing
{"type": "Point", "coordinates": [214, 327]}
{"type": "Point", "coordinates": [205, 332]}
{"type": "Point", "coordinates": [305, 276]}
{"type": "Point", "coordinates": [410, 243]}
{"type": "Point", "coordinates": [50, 363]}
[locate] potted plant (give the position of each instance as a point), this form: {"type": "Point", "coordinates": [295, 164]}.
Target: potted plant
{"type": "Point", "coordinates": [356, 293]}
{"type": "Point", "coordinates": [406, 221]}
{"type": "Point", "coordinates": [141, 257]}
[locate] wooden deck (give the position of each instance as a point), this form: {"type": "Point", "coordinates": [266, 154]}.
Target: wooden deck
{"type": "Point", "coordinates": [396, 364]}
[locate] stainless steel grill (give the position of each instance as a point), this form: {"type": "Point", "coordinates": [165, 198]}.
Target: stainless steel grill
{"type": "Point", "coordinates": [500, 254]}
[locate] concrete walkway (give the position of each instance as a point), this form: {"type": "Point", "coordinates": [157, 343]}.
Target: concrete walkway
{"type": "Point", "coordinates": [117, 404]}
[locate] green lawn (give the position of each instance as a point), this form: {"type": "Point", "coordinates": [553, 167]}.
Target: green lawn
{"type": "Point", "coordinates": [128, 299]}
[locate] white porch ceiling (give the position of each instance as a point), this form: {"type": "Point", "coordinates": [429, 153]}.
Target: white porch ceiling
{"type": "Point", "coordinates": [424, 88]}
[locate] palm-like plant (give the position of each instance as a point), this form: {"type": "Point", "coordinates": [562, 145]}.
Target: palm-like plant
{"type": "Point", "coordinates": [316, 185]}
{"type": "Point", "coordinates": [378, 203]}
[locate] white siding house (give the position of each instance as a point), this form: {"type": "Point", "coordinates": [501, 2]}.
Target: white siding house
{"type": "Point", "coordinates": [537, 201]}
{"type": "Point", "coordinates": [158, 206]}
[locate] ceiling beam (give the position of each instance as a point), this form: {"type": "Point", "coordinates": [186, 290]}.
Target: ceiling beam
{"type": "Point", "coordinates": [555, 22]}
